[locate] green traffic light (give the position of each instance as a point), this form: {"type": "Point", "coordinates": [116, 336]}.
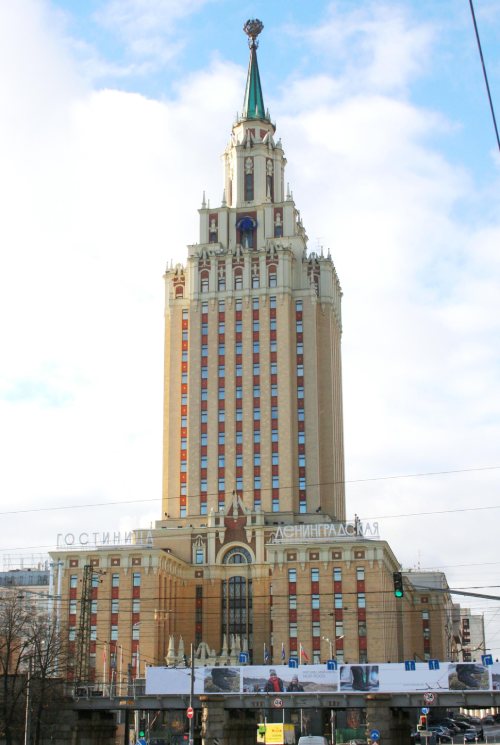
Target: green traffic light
{"type": "Point", "coordinates": [398, 593]}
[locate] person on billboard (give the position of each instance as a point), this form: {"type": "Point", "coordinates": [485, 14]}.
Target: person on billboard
{"type": "Point", "coordinates": [295, 685]}
{"type": "Point", "coordinates": [274, 684]}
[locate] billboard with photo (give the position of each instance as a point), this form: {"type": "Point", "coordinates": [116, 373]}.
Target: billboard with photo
{"type": "Point", "coordinates": [281, 679]}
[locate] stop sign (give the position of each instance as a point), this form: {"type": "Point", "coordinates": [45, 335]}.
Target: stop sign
{"type": "Point", "coordinates": [190, 712]}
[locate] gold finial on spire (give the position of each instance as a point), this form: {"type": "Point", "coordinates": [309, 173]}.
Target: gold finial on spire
{"type": "Point", "coordinates": [253, 28]}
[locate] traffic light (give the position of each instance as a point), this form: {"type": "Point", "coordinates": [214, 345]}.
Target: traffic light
{"type": "Point", "coordinates": [398, 584]}
{"type": "Point", "coordinates": [422, 724]}
{"type": "Point", "coordinates": [142, 727]}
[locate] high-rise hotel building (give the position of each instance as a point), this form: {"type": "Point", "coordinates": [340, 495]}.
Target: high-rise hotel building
{"type": "Point", "coordinates": [253, 385]}
{"type": "Point", "coordinates": [252, 551]}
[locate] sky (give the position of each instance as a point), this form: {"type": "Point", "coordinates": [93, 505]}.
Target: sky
{"type": "Point", "coordinates": [113, 118]}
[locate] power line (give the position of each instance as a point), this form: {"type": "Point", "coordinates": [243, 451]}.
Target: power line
{"type": "Point", "coordinates": [484, 72]}
{"type": "Point", "coordinates": [263, 489]}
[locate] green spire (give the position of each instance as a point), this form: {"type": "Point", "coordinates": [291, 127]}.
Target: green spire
{"type": "Point", "coordinates": [253, 105]}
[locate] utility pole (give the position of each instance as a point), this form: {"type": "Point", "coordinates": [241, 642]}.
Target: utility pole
{"type": "Point", "coordinates": [83, 648]}
{"type": "Point", "coordinates": [191, 695]}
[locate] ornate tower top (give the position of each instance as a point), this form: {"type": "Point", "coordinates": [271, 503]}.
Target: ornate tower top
{"type": "Point", "coordinates": [253, 104]}
{"type": "Point", "coordinates": [253, 27]}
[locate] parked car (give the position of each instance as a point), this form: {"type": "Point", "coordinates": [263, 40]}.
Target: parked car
{"type": "Point", "coordinates": [452, 726]}
{"type": "Point", "coordinates": [473, 735]}
{"type": "Point", "coordinates": [488, 719]}
{"type": "Point", "coordinates": [462, 726]}
{"type": "Point", "coordinates": [443, 734]}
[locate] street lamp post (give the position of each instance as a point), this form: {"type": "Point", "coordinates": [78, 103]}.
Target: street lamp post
{"type": "Point", "coordinates": [330, 643]}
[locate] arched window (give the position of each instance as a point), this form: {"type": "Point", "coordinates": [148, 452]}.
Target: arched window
{"type": "Point", "coordinates": [238, 279]}
{"type": "Point", "coordinates": [179, 291]}
{"type": "Point", "coordinates": [272, 275]}
{"type": "Point", "coordinates": [237, 555]}
{"type": "Point", "coordinates": [204, 281]}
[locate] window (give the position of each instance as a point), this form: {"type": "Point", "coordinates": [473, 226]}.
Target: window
{"type": "Point", "coordinates": [203, 485]}
{"type": "Point", "coordinates": [275, 505]}
{"type": "Point", "coordinates": [222, 327]}
{"type": "Point", "coordinates": [256, 436]}
{"type": "Point", "coordinates": [204, 372]}
{"type": "Point", "coordinates": [256, 414]}
{"type": "Point", "coordinates": [292, 575]}
{"type": "Point", "coordinates": [72, 607]}
{"type": "Point", "coordinates": [256, 369]}
{"type": "Point", "coordinates": [238, 327]}
{"type": "Point", "coordinates": [239, 460]}
{"type": "Point", "coordinates": [272, 301]}
{"type": "Point", "coordinates": [222, 438]}
{"type": "Point", "coordinates": [273, 345]}
{"type": "Point", "coordinates": [256, 326]}
{"type": "Point", "coordinates": [256, 459]}
{"type": "Point", "coordinates": [136, 605]}
{"type": "Point", "coordinates": [302, 460]}
{"type": "Point", "coordinates": [292, 630]}
{"type": "Point", "coordinates": [222, 350]}
{"type": "Point", "coordinates": [72, 633]}
{"type": "Point", "coordinates": [314, 601]}
{"type": "Point", "coordinates": [115, 580]}
{"type": "Point", "coordinates": [292, 602]}
{"type": "Point", "coordinates": [136, 579]}
{"type": "Point", "coordinates": [114, 633]}
{"type": "Point", "coordinates": [203, 417]}
{"type": "Point", "coordinates": [222, 371]}
{"type": "Point", "coordinates": [314, 575]}
{"type": "Point", "coordinates": [301, 438]}
{"type": "Point", "coordinates": [274, 368]}
{"type": "Point", "coordinates": [93, 606]}
{"type": "Point", "coordinates": [204, 461]}
{"type": "Point", "coordinates": [337, 600]}
{"type": "Point", "coordinates": [93, 633]}
{"type": "Point", "coordinates": [136, 630]}
{"type": "Point", "coordinates": [73, 581]}
{"type": "Point", "coordinates": [204, 439]}
{"type": "Point", "coordinates": [361, 600]}
{"type": "Point", "coordinates": [204, 394]}
{"type": "Point", "coordinates": [300, 371]}
{"type": "Point", "coordinates": [337, 574]}
{"type": "Point", "coordinates": [221, 484]}
{"type": "Point", "coordinates": [222, 461]}
{"type": "Point", "coordinates": [199, 556]}
{"type": "Point", "coordinates": [339, 629]}
{"type": "Point", "coordinates": [222, 394]}
{"type": "Point", "coordinates": [115, 606]}
{"type": "Point", "coordinates": [300, 391]}
{"type": "Point", "coordinates": [275, 482]}
{"type": "Point", "coordinates": [256, 482]}
{"type": "Point", "coordinates": [272, 324]}
{"type": "Point", "coordinates": [256, 347]}
{"type": "Point", "coordinates": [274, 435]}
{"type": "Point", "coordinates": [275, 459]}
{"type": "Point", "coordinates": [182, 511]}
{"type": "Point", "coordinates": [238, 347]}
{"type": "Point", "coordinates": [360, 573]}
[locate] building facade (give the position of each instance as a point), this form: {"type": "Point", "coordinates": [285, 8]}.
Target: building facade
{"type": "Point", "coordinates": [253, 552]}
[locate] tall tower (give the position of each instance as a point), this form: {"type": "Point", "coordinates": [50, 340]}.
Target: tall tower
{"type": "Point", "coordinates": [253, 394]}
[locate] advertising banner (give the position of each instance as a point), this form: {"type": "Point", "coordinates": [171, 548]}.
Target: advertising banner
{"type": "Point", "coordinates": [281, 679]}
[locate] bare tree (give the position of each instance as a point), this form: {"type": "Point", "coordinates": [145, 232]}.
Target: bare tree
{"type": "Point", "coordinates": [32, 668]}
